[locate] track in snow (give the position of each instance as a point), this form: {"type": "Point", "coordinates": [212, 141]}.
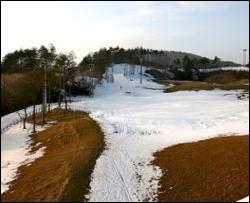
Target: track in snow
{"type": "Point", "coordinates": [145, 120]}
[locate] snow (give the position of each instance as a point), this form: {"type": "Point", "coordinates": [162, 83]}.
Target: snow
{"type": "Point", "coordinates": [140, 119]}
{"type": "Point", "coordinates": [15, 152]}
{"type": "Point", "coordinates": [15, 143]}
{"type": "Point", "coordinates": [240, 68]}
{"type": "Point", "coordinates": [246, 199]}
{"type": "Point", "coordinates": [10, 118]}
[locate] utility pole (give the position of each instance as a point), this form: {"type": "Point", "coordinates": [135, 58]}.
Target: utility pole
{"type": "Point", "coordinates": [112, 57]}
{"type": "Point", "coordinates": [141, 69]}
{"type": "Point", "coordinates": [141, 60]}
{"type": "Point", "coordinates": [65, 96]}
{"type": "Point", "coordinates": [244, 56]}
{"type": "Point", "coordinates": [44, 107]}
{"type": "Point", "coordinates": [60, 88]}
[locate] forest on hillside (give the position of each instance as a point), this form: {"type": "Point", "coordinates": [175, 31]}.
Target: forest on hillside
{"type": "Point", "coordinates": [23, 72]}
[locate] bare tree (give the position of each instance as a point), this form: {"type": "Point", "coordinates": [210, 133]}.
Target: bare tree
{"type": "Point", "coordinates": [60, 65]}
{"type": "Point", "coordinates": [35, 79]}
{"type": "Point", "coordinates": [66, 67]}
{"type": "Point", "coordinates": [22, 96]}
{"type": "Point", "coordinates": [46, 58]}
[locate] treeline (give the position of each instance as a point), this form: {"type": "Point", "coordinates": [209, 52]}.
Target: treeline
{"type": "Point", "coordinates": [25, 60]}
{"type": "Point", "coordinates": [185, 68]}
{"type": "Point", "coordinates": [188, 69]}
{"type": "Point", "coordinates": [103, 57]}
{"type": "Point", "coordinates": [35, 76]}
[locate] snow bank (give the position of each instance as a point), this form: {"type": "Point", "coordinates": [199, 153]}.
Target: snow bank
{"type": "Point", "coordinates": [15, 144]}
{"type": "Point", "coordinates": [240, 68]}
{"type": "Point", "coordinates": [139, 119]}
{"type": "Point", "coordinates": [10, 118]}
{"type": "Point", "coordinates": [15, 152]}
{"type": "Point", "coordinates": [246, 199]}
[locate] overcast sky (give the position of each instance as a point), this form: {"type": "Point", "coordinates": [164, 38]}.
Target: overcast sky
{"type": "Point", "coordinates": [204, 28]}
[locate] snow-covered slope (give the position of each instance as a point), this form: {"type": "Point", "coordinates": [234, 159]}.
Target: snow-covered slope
{"type": "Point", "coordinates": [239, 68]}
{"type": "Point", "coordinates": [140, 119]}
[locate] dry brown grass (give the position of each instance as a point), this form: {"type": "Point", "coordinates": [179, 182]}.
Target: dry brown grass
{"type": "Point", "coordinates": [210, 170]}
{"type": "Point", "coordinates": [63, 173]}
{"type": "Point", "coordinates": [198, 85]}
{"type": "Point", "coordinates": [11, 77]}
{"type": "Point", "coordinates": [222, 78]}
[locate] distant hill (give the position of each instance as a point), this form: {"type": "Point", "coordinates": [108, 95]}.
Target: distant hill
{"type": "Point", "coordinates": [228, 64]}
{"type": "Point", "coordinates": [166, 58]}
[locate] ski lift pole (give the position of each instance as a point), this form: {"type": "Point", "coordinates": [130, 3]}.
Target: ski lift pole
{"type": "Point", "coordinates": [113, 51]}
{"type": "Point", "coordinates": [140, 58]}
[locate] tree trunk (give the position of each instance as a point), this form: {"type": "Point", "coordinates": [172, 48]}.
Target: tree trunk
{"type": "Point", "coordinates": [21, 118]}
{"type": "Point", "coordinates": [48, 99]}
{"type": "Point", "coordinates": [44, 95]}
{"type": "Point", "coordinates": [66, 104]}
{"type": "Point", "coordinates": [24, 119]}
{"type": "Point", "coordinates": [141, 75]}
{"type": "Point", "coordinates": [43, 120]}
{"type": "Point", "coordinates": [34, 118]}
{"type": "Point", "coordinates": [70, 93]}
{"type": "Point", "coordinates": [64, 89]}
{"type": "Point", "coordinates": [24, 127]}
{"type": "Point", "coordinates": [60, 89]}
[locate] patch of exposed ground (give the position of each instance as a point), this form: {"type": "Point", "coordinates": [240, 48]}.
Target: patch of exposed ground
{"type": "Point", "coordinates": [210, 170]}
{"type": "Point", "coordinates": [63, 174]}
{"type": "Point", "coordinates": [179, 85]}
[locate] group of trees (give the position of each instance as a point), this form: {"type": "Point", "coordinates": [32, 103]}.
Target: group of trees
{"type": "Point", "coordinates": [189, 69]}
{"type": "Point", "coordinates": [189, 66]}
{"type": "Point", "coordinates": [103, 58]}
{"type": "Point", "coordinates": [41, 76]}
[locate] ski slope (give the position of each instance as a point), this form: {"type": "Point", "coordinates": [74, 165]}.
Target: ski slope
{"type": "Point", "coordinates": [140, 119]}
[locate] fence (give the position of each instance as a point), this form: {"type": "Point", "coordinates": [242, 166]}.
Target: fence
{"type": "Point", "coordinates": [39, 109]}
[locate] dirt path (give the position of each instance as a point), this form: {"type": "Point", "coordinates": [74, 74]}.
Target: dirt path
{"type": "Point", "coordinates": [209, 170]}
{"type": "Point", "coordinates": [63, 173]}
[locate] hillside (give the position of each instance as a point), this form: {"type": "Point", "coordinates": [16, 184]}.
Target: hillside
{"type": "Point", "coordinates": [168, 57]}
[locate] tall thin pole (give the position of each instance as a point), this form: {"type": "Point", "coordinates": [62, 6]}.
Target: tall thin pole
{"type": "Point", "coordinates": [112, 54]}
{"type": "Point", "coordinates": [64, 89]}
{"type": "Point", "coordinates": [244, 56]}
{"type": "Point", "coordinates": [60, 88]}
{"type": "Point", "coordinates": [45, 88]}
{"type": "Point", "coordinates": [44, 91]}
{"type": "Point", "coordinates": [140, 58]}
{"type": "Point", "coordinates": [34, 117]}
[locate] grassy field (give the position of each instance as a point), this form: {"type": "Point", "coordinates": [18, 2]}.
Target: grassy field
{"type": "Point", "coordinates": [198, 85]}
{"type": "Point", "coordinates": [63, 174]}
{"type": "Point", "coordinates": [226, 80]}
{"type": "Point", "coordinates": [210, 170]}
